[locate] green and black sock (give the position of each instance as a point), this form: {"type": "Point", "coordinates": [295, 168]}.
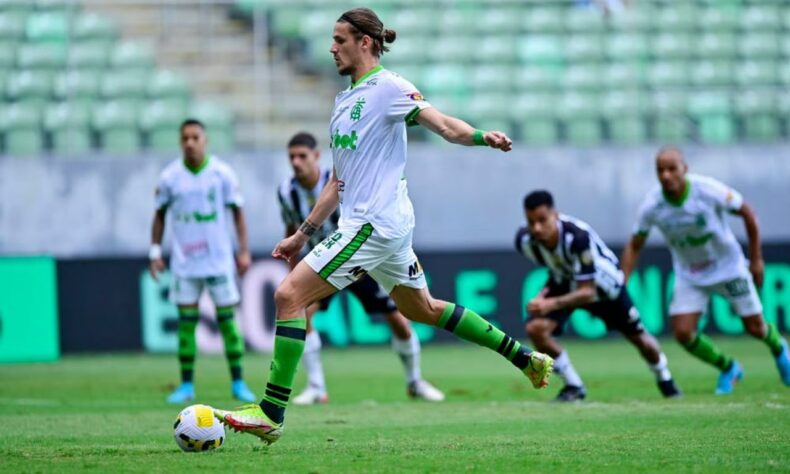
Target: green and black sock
{"type": "Point", "coordinates": [470, 326]}
{"type": "Point", "coordinates": [773, 339]}
{"type": "Point", "coordinates": [703, 348]}
{"type": "Point", "coordinates": [288, 347]}
{"type": "Point", "coordinates": [187, 322]}
{"type": "Point", "coordinates": [234, 344]}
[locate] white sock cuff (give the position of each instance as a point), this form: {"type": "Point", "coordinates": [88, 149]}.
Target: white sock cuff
{"type": "Point", "coordinates": [312, 342]}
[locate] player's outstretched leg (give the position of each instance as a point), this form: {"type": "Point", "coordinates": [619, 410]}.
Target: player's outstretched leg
{"type": "Point", "coordinates": [757, 327]}
{"type": "Point", "coordinates": [656, 361]}
{"type": "Point", "coordinates": [234, 350]}
{"type": "Point", "coordinates": [187, 322]}
{"type": "Point", "coordinates": [315, 392]}
{"type": "Point", "coordinates": [702, 347]}
{"type": "Point", "coordinates": [406, 344]}
{"type": "Point", "coordinates": [539, 331]}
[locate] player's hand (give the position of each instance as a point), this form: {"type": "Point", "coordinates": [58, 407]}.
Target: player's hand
{"type": "Point", "coordinates": [498, 140]}
{"type": "Point", "coordinates": [540, 306]}
{"type": "Point", "coordinates": [289, 247]}
{"type": "Point", "coordinates": [757, 269]}
{"type": "Point", "coordinates": [243, 262]}
{"type": "Point", "coordinates": [155, 267]}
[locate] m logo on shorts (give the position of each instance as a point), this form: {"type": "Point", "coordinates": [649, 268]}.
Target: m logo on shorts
{"type": "Point", "coordinates": [358, 272]}
{"type": "Point", "coordinates": [415, 270]}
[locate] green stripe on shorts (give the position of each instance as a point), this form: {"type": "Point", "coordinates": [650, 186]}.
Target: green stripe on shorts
{"type": "Point", "coordinates": [347, 252]}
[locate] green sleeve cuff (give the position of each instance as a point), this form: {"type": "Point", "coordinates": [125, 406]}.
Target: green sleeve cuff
{"type": "Point", "coordinates": [642, 233]}
{"type": "Point", "coordinates": [411, 117]}
{"type": "Point", "coordinates": [477, 138]}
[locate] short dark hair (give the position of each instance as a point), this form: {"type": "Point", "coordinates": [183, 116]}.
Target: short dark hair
{"type": "Point", "coordinates": [191, 121]}
{"type": "Point", "coordinates": [303, 139]}
{"type": "Point", "coordinates": [538, 198]}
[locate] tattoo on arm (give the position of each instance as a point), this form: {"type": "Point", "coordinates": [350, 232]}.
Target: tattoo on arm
{"type": "Point", "coordinates": [308, 228]}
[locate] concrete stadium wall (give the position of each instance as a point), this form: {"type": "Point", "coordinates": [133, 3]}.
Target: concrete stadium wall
{"type": "Point", "coordinates": [466, 198]}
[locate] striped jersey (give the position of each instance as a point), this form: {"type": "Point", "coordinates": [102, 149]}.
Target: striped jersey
{"type": "Point", "coordinates": [296, 203]}
{"type": "Point", "coordinates": [580, 255]}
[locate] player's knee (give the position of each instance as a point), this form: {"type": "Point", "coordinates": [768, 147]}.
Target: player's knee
{"type": "Point", "coordinates": [537, 329]}
{"type": "Point", "coordinates": [683, 334]}
{"type": "Point", "coordinates": [755, 326]}
{"type": "Point", "coordinates": [285, 298]}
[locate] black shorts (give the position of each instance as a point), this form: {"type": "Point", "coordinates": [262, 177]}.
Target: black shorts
{"type": "Point", "coordinates": [618, 314]}
{"type": "Point", "coordinates": [370, 294]}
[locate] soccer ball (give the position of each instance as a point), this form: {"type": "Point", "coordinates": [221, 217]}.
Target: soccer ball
{"type": "Point", "coordinates": [197, 430]}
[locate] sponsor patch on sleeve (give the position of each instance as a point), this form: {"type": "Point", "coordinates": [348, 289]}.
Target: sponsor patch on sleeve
{"type": "Point", "coordinates": [586, 257]}
{"type": "Point", "coordinates": [415, 96]}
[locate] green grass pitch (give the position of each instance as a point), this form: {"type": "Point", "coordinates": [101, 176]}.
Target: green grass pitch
{"type": "Point", "coordinates": [107, 414]}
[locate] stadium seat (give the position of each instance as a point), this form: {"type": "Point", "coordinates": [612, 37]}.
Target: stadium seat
{"type": "Point", "coordinates": [584, 21]}
{"type": "Point", "coordinates": [454, 20]}
{"type": "Point", "coordinates": [492, 78]}
{"type": "Point", "coordinates": [116, 122]}
{"type": "Point", "coordinates": [16, 6]}
{"type": "Point", "coordinates": [715, 46]}
{"type": "Point", "coordinates": [408, 22]}
{"type": "Point", "coordinates": [452, 49]}
{"type": "Point", "coordinates": [161, 120]}
{"type": "Point", "coordinates": [626, 46]}
{"type": "Point", "coordinates": [671, 46]}
{"type": "Point", "coordinates": [12, 25]}
{"type": "Point", "coordinates": [29, 84]}
{"type": "Point", "coordinates": [497, 20]}
{"type": "Point", "coordinates": [757, 110]}
{"type": "Point", "coordinates": [445, 78]}
{"type": "Point", "coordinates": [59, 6]}
{"type": "Point", "coordinates": [624, 114]}
{"type": "Point", "coordinates": [579, 113]}
{"type": "Point", "coordinates": [89, 54]}
{"type": "Point", "coordinates": [784, 74]}
{"type": "Point", "coordinates": [537, 78]}
{"type": "Point", "coordinates": [219, 124]}
{"type": "Point", "coordinates": [169, 85]}
{"type": "Point", "coordinates": [77, 85]}
{"type": "Point", "coordinates": [41, 56]}
{"type": "Point", "coordinates": [68, 123]}
{"type": "Point", "coordinates": [535, 114]}
{"type": "Point", "coordinates": [286, 20]}
{"type": "Point", "coordinates": [49, 27]}
{"type": "Point", "coordinates": [712, 112]}
{"type": "Point", "coordinates": [584, 49]}
{"type": "Point", "coordinates": [712, 74]}
{"type": "Point", "coordinates": [7, 55]}
{"type": "Point", "coordinates": [540, 49]}
{"type": "Point", "coordinates": [719, 18]}
{"type": "Point", "coordinates": [760, 18]}
{"type": "Point", "coordinates": [784, 45]}
{"type": "Point", "coordinates": [542, 20]}
{"type": "Point", "coordinates": [495, 49]}
{"type": "Point", "coordinates": [92, 26]}
{"type": "Point", "coordinates": [317, 23]}
{"type": "Point", "coordinates": [582, 78]}
{"type": "Point", "coordinates": [407, 50]}
{"type": "Point", "coordinates": [487, 106]}
{"type": "Point", "coordinates": [670, 124]}
{"type": "Point", "coordinates": [755, 46]}
{"type": "Point", "coordinates": [131, 55]}
{"type": "Point", "coordinates": [20, 126]}
{"type": "Point", "coordinates": [668, 74]}
{"type": "Point", "coordinates": [124, 85]}
{"type": "Point", "coordinates": [676, 17]}
{"type": "Point", "coordinates": [638, 18]}
{"type": "Point", "coordinates": [756, 73]}
{"type": "Point", "coordinates": [624, 75]}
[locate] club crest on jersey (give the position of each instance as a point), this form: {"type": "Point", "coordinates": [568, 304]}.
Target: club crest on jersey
{"type": "Point", "coordinates": [416, 96]}
{"type": "Point", "coordinates": [356, 110]}
{"type": "Point", "coordinates": [347, 142]}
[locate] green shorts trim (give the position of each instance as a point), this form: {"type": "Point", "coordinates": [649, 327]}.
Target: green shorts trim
{"type": "Point", "coordinates": [347, 252]}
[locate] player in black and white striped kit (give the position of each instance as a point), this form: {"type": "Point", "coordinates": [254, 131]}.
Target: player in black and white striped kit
{"type": "Point", "coordinates": [584, 273]}
{"type": "Point", "coordinates": [297, 196]}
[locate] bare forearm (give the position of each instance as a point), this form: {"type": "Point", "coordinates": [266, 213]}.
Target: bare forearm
{"type": "Point", "coordinates": [752, 232]}
{"type": "Point", "coordinates": [241, 229]}
{"type": "Point", "coordinates": [324, 207]}
{"type": "Point", "coordinates": [158, 227]}
{"type": "Point", "coordinates": [574, 299]}
{"type": "Point", "coordinates": [454, 130]}
{"type": "Point", "coordinates": [630, 257]}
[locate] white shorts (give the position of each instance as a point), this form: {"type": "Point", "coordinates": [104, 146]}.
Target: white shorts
{"type": "Point", "coordinates": [347, 255]}
{"type": "Point", "coordinates": [222, 289]}
{"type": "Point", "coordinates": [740, 292]}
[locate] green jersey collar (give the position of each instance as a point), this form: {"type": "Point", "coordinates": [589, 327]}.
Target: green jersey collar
{"type": "Point", "coordinates": [679, 201]}
{"type": "Point", "coordinates": [197, 169]}
{"type": "Point", "coordinates": [367, 75]}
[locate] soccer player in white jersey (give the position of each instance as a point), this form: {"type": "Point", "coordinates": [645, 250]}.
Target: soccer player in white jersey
{"type": "Point", "coordinates": [368, 132]}
{"type": "Point", "coordinates": [196, 190]}
{"type": "Point", "coordinates": [690, 211]}
{"type": "Point", "coordinates": [584, 274]}
{"type": "Point", "coordinates": [297, 196]}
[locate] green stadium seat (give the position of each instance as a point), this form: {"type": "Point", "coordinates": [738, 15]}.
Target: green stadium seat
{"type": "Point", "coordinates": [757, 110]}
{"type": "Point", "coordinates": [759, 46]}
{"type": "Point", "coordinates": [49, 27]}
{"type": "Point", "coordinates": [584, 21]}
{"type": "Point", "coordinates": [535, 113]}
{"type": "Point", "coordinates": [20, 126]}
{"type": "Point", "coordinates": [626, 46]}
{"type": "Point", "coordinates": [461, 18]}
{"type": "Point", "coordinates": [492, 78]}
{"type": "Point", "coordinates": [286, 21]}
{"type": "Point", "coordinates": [29, 84]}
{"type": "Point", "coordinates": [61, 6]}
{"type": "Point", "coordinates": [124, 85]}
{"type": "Point", "coordinates": [625, 75]}
{"type": "Point", "coordinates": [624, 111]}
{"type": "Point", "coordinates": [784, 45]}
{"type": "Point", "coordinates": [318, 53]}
{"type": "Point", "coordinates": [670, 122]}
{"type": "Point", "coordinates": [495, 49]}
{"type": "Point", "coordinates": [453, 104]}
{"type": "Point", "coordinates": [580, 117]}
{"type": "Point", "coordinates": [706, 74]}
{"type": "Point", "coordinates": [668, 74]}
{"type": "Point", "coordinates": [69, 126]}
{"type": "Point", "coordinates": [715, 46]}
{"type": "Point", "coordinates": [718, 18]}
{"type": "Point", "coordinates": [540, 49]}
{"type": "Point", "coordinates": [485, 107]}
{"type": "Point", "coordinates": [92, 26]}
{"type": "Point", "coordinates": [786, 18]}
{"type": "Point", "coordinates": [676, 17]}
{"type": "Point", "coordinates": [712, 112]}
{"type": "Point", "coordinates": [161, 121]}
{"type": "Point", "coordinates": [318, 23]}
{"type": "Point", "coordinates": [452, 49]}
{"type": "Point", "coordinates": [537, 78]}
{"type": "Point", "coordinates": [131, 55]}
{"type": "Point", "coordinates": [784, 74]}
{"type": "Point", "coordinates": [671, 46]}
{"type": "Point", "coordinates": [584, 49]}
{"type": "Point", "coordinates": [756, 73]}
{"type": "Point", "coordinates": [669, 101]}
{"type": "Point", "coordinates": [116, 122]}
{"type": "Point", "coordinates": [445, 78]}
{"type": "Point", "coordinates": [542, 20]}
{"type": "Point", "coordinates": [219, 124]}
{"type": "Point", "coordinates": [16, 5]}
{"type": "Point", "coordinates": [638, 18]}
{"type": "Point", "coordinates": [412, 72]}
{"type": "Point", "coordinates": [500, 21]}
{"type": "Point", "coordinates": [169, 85]}
{"type": "Point", "coordinates": [94, 54]}
{"type": "Point", "coordinates": [582, 78]}
{"type": "Point", "coordinates": [760, 18]}
{"type": "Point", "coordinates": [12, 25]}
{"type": "Point", "coordinates": [41, 56]}
{"type": "Point", "coordinates": [409, 22]}
{"type": "Point", "coordinates": [77, 85]}
{"type": "Point", "coordinates": [407, 50]}
{"type": "Point", "coordinates": [7, 55]}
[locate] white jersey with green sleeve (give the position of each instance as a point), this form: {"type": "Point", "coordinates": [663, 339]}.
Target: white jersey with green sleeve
{"type": "Point", "coordinates": [197, 201]}
{"type": "Point", "coordinates": [704, 249]}
{"type": "Point", "coordinates": [368, 141]}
